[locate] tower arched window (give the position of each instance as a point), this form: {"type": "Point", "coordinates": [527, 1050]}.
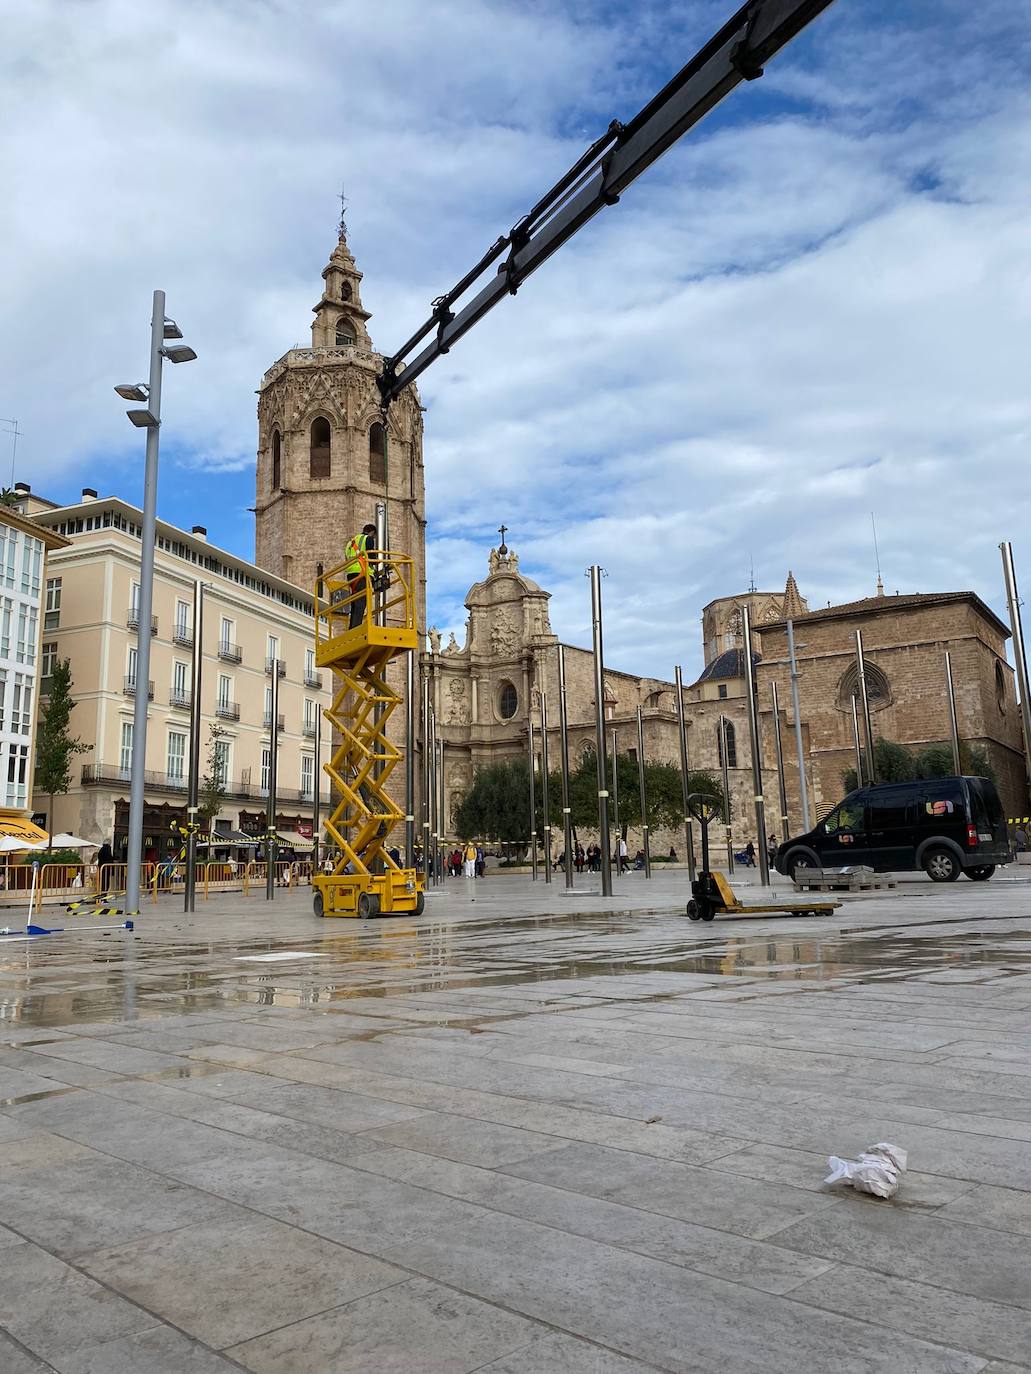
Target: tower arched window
{"type": "Point", "coordinates": [320, 466]}
{"type": "Point", "coordinates": [277, 460]}
{"type": "Point", "coordinates": [731, 745]}
{"type": "Point", "coordinates": [377, 454]}
{"type": "Point", "coordinates": [345, 331]}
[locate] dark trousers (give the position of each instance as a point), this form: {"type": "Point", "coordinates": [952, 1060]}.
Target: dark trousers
{"type": "Point", "coordinates": [359, 588]}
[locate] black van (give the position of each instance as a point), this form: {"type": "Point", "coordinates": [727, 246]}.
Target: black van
{"type": "Point", "coordinates": [946, 826]}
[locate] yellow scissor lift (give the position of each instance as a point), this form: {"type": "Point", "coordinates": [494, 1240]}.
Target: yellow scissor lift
{"type": "Point", "coordinates": [365, 880]}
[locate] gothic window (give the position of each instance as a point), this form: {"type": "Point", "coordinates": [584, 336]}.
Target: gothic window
{"type": "Point", "coordinates": [508, 701]}
{"type": "Point", "coordinates": [878, 692]}
{"type": "Point", "coordinates": [345, 331]}
{"type": "Point", "coordinates": [377, 454]}
{"type": "Point", "coordinates": [277, 456]}
{"type": "Point", "coordinates": [345, 290]}
{"type": "Point", "coordinates": [731, 746]}
{"type": "Point", "coordinates": [1000, 687]}
{"type": "Point", "coordinates": [319, 466]}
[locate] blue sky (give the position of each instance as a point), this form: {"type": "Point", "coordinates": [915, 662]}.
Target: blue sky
{"type": "Point", "coordinates": [815, 307]}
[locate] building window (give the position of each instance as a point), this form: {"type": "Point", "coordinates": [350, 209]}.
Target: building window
{"type": "Point", "coordinates": [345, 331]}
{"type": "Point", "coordinates": [180, 681]}
{"type": "Point", "coordinates": [309, 714]}
{"type": "Point", "coordinates": [271, 649]}
{"type": "Point", "coordinates": [225, 687]}
{"type": "Point", "coordinates": [21, 705]}
{"type": "Point", "coordinates": [125, 750]}
{"type": "Point", "coordinates": [17, 768]}
{"type": "Point", "coordinates": [223, 760]}
{"type": "Point", "coordinates": [182, 620]}
{"type": "Point", "coordinates": [3, 695]}
{"type": "Point", "coordinates": [176, 756]}
{"type": "Point", "coordinates": [27, 620]}
{"type": "Point", "coordinates": [31, 561]}
{"type": "Point", "coordinates": [722, 690]}
{"type": "Point", "coordinates": [268, 707]}
{"type": "Point", "coordinates": [878, 692]}
{"type": "Point", "coordinates": [52, 617]}
{"type": "Point", "coordinates": [731, 746]}
{"type": "Point", "coordinates": [5, 629]}
{"type": "Point", "coordinates": [307, 775]}
{"type": "Point", "coordinates": [266, 769]}
{"type": "Point", "coordinates": [9, 550]}
{"type": "Point", "coordinates": [48, 660]}
{"type": "Point", "coordinates": [508, 701]}
{"type": "Point", "coordinates": [277, 460]}
{"type": "Point", "coordinates": [320, 465]}
{"type": "Point", "coordinates": [377, 454]}
{"type": "Point", "coordinates": [1000, 687]}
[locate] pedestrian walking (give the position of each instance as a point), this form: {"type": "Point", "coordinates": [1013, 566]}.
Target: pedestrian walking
{"type": "Point", "coordinates": [749, 855]}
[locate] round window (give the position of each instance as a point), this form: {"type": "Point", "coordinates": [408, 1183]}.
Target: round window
{"type": "Point", "coordinates": [508, 701]}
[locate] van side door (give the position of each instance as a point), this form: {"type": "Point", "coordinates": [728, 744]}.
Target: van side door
{"type": "Point", "coordinates": [891, 822]}
{"type": "Point", "coordinates": [842, 836]}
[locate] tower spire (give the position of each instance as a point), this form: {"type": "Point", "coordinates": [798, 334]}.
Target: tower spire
{"type": "Point", "coordinates": [342, 226]}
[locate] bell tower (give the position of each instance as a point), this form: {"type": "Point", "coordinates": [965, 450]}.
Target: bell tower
{"type": "Point", "coordinates": [326, 452]}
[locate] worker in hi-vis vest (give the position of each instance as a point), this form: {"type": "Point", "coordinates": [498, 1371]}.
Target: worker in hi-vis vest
{"type": "Point", "coordinates": [356, 570]}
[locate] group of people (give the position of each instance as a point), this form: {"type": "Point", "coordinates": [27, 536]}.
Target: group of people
{"type": "Point", "coordinates": [469, 861]}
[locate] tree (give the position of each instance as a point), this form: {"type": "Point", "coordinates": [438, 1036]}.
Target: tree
{"type": "Point", "coordinates": [55, 747]}
{"type": "Point", "coordinates": [213, 780]}
{"type": "Point", "coordinates": [896, 763]}
{"type": "Point", "coordinates": [497, 804]}
{"type": "Point", "coordinates": [8, 496]}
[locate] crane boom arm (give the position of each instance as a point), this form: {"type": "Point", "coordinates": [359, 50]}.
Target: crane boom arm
{"type": "Point", "coordinates": [734, 54]}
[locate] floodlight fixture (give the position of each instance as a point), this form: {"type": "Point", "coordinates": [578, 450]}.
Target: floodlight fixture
{"type": "Point", "coordinates": [180, 353]}
{"type": "Point", "coordinates": [132, 391]}
{"type": "Point", "coordinates": [172, 330]}
{"type": "Point", "coordinates": [143, 419]}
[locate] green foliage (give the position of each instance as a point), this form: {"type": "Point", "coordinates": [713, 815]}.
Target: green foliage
{"type": "Point", "coordinates": [55, 746]}
{"type": "Point", "coordinates": [212, 791]}
{"type": "Point", "coordinates": [497, 805]}
{"type": "Point", "coordinates": [8, 496]}
{"type": "Point", "coordinates": [896, 763]}
{"type": "Point", "coordinates": [47, 856]}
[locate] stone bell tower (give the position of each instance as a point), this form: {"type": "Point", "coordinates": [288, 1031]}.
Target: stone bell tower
{"type": "Point", "coordinates": [326, 454]}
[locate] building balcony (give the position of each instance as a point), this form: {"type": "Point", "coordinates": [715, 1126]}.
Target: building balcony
{"type": "Point", "coordinates": [129, 688]}
{"type": "Point", "coordinates": [183, 635]}
{"type": "Point", "coordinates": [116, 778]}
{"type": "Point", "coordinates": [270, 663]}
{"type": "Point", "coordinates": [132, 619]}
{"type": "Point", "coordinates": [229, 653]}
{"type": "Point", "coordinates": [228, 710]}
{"type": "Point", "coordinates": [313, 680]}
{"type": "Point", "coordinates": [266, 722]}
{"type": "Point", "coordinates": [308, 729]}
{"type": "Point", "coordinates": [181, 697]}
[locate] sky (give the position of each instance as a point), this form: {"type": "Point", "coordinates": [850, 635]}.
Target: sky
{"type": "Point", "coordinates": [814, 308]}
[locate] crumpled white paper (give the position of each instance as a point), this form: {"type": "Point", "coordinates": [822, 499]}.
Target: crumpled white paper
{"type": "Point", "coordinates": [878, 1170]}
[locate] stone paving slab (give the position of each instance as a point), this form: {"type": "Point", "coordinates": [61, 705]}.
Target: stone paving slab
{"type": "Point", "coordinates": [523, 1135]}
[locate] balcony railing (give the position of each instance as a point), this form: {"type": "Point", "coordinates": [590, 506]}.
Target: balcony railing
{"type": "Point", "coordinates": [231, 653]}
{"type": "Point", "coordinates": [129, 688]}
{"type": "Point", "coordinates": [182, 634]}
{"type": "Point", "coordinates": [313, 680]}
{"type": "Point", "coordinates": [308, 729]}
{"type": "Point", "coordinates": [266, 721]}
{"type": "Point", "coordinates": [110, 775]}
{"type": "Point", "coordinates": [132, 619]}
{"type": "Point", "coordinates": [181, 697]}
{"type": "Point", "coordinates": [270, 662]}
{"type": "Point", "coordinates": [228, 710]}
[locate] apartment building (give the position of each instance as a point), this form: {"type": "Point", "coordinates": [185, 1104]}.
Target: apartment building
{"type": "Point", "coordinates": [24, 549]}
{"type": "Point", "coordinates": [252, 621]}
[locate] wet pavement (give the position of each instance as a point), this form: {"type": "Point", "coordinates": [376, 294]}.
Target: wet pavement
{"type": "Point", "coordinates": [528, 1133]}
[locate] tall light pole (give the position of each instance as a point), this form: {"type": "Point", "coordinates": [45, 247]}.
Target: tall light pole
{"type": "Point", "coordinates": [545, 798]}
{"type": "Point", "coordinates": [644, 794]}
{"type": "Point", "coordinates": [533, 803]}
{"type": "Point", "coordinates": [782, 785]}
{"type": "Point", "coordinates": [864, 699]}
{"type": "Point", "coordinates": [161, 328]}
{"type": "Point", "coordinates": [953, 721]}
{"type": "Point", "coordinates": [1019, 657]}
{"type": "Point", "coordinates": [271, 840]}
{"type": "Point", "coordinates": [724, 761]}
{"type": "Point", "coordinates": [615, 804]}
{"type": "Point", "coordinates": [563, 717]}
{"type": "Point", "coordinates": [753, 732]}
{"type": "Point", "coordinates": [802, 785]}
{"type": "Point", "coordinates": [192, 806]}
{"type": "Point", "coordinates": [599, 735]}
{"type": "Point", "coordinates": [685, 769]}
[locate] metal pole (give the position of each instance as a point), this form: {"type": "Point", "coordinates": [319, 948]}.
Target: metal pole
{"type": "Point", "coordinates": [599, 726]}
{"type": "Point", "coordinates": [858, 742]}
{"type": "Point", "coordinates": [615, 801]}
{"type": "Point", "coordinates": [953, 722]}
{"type": "Point", "coordinates": [316, 800]}
{"type": "Point", "coordinates": [544, 786]}
{"type": "Point", "coordinates": [442, 804]}
{"type": "Point", "coordinates": [196, 674]}
{"type": "Point", "coordinates": [802, 784]}
{"type": "Point", "coordinates": [871, 765]}
{"type": "Point", "coordinates": [137, 778]}
{"type": "Point", "coordinates": [427, 783]}
{"type": "Point", "coordinates": [778, 743]}
{"type": "Point", "coordinates": [1019, 656]}
{"type": "Point", "coordinates": [753, 735]}
{"type": "Point", "coordinates": [563, 720]}
{"type": "Point", "coordinates": [533, 806]}
{"type": "Point", "coordinates": [644, 793]}
{"type": "Point", "coordinates": [432, 798]}
{"type": "Point", "coordinates": [271, 847]}
{"type": "Point", "coordinates": [410, 759]}
{"type": "Point", "coordinates": [685, 769]}
{"type": "Point", "coordinates": [382, 545]}
{"type": "Point", "coordinates": [726, 794]}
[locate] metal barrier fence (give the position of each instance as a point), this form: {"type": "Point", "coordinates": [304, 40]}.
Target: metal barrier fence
{"type": "Point", "coordinates": [69, 882]}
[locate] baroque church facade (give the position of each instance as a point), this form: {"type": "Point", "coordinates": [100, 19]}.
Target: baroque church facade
{"type": "Point", "coordinates": [327, 454]}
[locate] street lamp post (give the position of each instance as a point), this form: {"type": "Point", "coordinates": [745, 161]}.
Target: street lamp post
{"type": "Point", "coordinates": [567, 822]}
{"type": "Point", "coordinates": [533, 804]}
{"type": "Point", "coordinates": [685, 772]}
{"type": "Point", "coordinates": [599, 732]}
{"type": "Point", "coordinates": [753, 734]}
{"type": "Point", "coordinates": [1019, 656]}
{"type": "Point", "coordinates": [644, 794]}
{"type": "Point", "coordinates": [192, 806]}
{"type": "Point", "coordinates": [802, 787]}
{"type": "Point", "coordinates": [149, 418]}
{"type": "Point", "coordinates": [545, 797]}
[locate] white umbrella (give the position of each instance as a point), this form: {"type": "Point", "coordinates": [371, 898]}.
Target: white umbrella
{"type": "Point", "coordinates": [66, 841]}
{"type": "Point", "coordinates": [8, 843]}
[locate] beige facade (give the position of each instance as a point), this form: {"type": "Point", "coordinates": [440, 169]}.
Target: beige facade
{"type": "Point", "coordinates": [250, 619]}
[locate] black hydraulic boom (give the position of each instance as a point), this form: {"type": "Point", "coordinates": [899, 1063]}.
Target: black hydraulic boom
{"type": "Point", "coordinates": [734, 54]}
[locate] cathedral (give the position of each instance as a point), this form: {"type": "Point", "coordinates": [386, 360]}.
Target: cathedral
{"type": "Point", "coordinates": [327, 454]}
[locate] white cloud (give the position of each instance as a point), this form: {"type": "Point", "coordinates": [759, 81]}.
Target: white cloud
{"type": "Point", "coordinates": [815, 307]}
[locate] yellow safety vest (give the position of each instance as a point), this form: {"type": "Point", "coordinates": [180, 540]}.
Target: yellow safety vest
{"type": "Point", "coordinates": [354, 554]}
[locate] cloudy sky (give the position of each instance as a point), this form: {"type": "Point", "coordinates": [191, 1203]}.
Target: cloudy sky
{"type": "Point", "coordinates": [815, 307]}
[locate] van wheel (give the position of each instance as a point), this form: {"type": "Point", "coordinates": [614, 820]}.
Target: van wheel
{"type": "Point", "coordinates": [799, 862]}
{"type": "Point", "coordinates": [941, 866]}
{"type": "Point", "coordinates": [981, 873]}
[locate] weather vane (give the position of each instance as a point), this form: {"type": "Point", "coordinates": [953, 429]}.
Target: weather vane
{"type": "Point", "coordinates": [343, 211]}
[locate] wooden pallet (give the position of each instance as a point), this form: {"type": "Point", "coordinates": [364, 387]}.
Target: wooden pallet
{"type": "Point", "coordinates": [820, 880]}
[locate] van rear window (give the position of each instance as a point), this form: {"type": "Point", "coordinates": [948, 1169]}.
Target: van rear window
{"type": "Point", "coordinates": [942, 800]}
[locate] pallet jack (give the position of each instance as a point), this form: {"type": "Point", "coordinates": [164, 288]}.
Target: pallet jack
{"type": "Point", "coordinates": [361, 625]}
{"type": "Point", "coordinates": [712, 894]}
